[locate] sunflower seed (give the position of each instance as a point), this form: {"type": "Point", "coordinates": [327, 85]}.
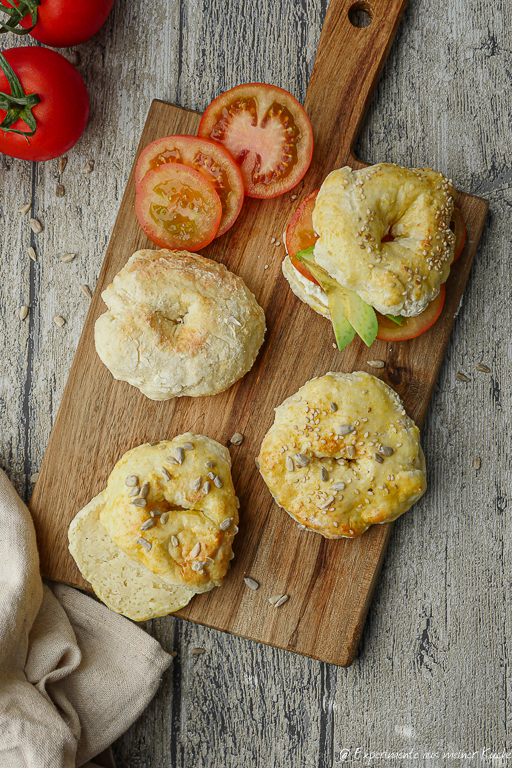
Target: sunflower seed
{"type": "Point", "coordinates": [131, 481]}
{"type": "Point", "coordinates": [209, 463]}
{"type": "Point", "coordinates": [237, 439]}
{"type": "Point", "coordinates": [32, 254]}
{"type": "Point", "coordinates": [86, 291]}
{"type": "Point", "coordinates": [301, 460]}
{"type": "Point", "coordinates": [218, 482]}
{"type": "Point", "coordinates": [58, 320]}
{"type": "Point", "coordinates": [198, 565]}
{"type": "Point", "coordinates": [376, 363]}
{"type": "Point", "coordinates": [196, 484]}
{"type": "Point", "coordinates": [144, 490]}
{"type": "Point", "coordinates": [179, 454]}
{"type": "Point", "coordinates": [188, 446]}
{"type": "Point", "coordinates": [59, 190]}
{"type": "Point", "coordinates": [34, 477]}
{"type": "Point", "coordinates": [338, 487]}
{"type": "Point", "coordinates": [171, 460]}
{"type": "Point", "coordinates": [237, 502]}
{"type": "Point", "coordinates": [251, 583]}
{"type": "Point", "coordinates": [278, 243]}
{"type": "Point", "coordinates": [278, 600]}
{"type": "Point", "coordinates": [155, 513]}
{"type": "Point", "coordinates": [35, 226]}
{"type": "Point", "coordinates": [89, 166]}
{"type": "Point", "coordinates": [301, 527]}
{"type": "Point", "coordinates": [145, 544]}
{"type": "Point", "coordinates": [257, 463]}
{"type": "Point", "coordinates": [344, 429]}
{"type": "Point", "coordinates": [147, 524]}
{"type": "Point", "coordinates": [197, 651]}
{"type": "Point", "coordinates": [62, 164]}
{"type": "Point", "coordinates": [326, 503]}
{"type": "Point", "coordinates": [212, 475]}
{"type": "Point", "coordinates": [386, 450]}
{"type": "Point", "coordinates": [175, 541]}
{"type": "Point", "coordinates": [139, 503]}
{"type": "Point", "coordinates": [351, 451]}
{"type": "Point", "coordinates": [164, 518]}
{"type": "Point", "coordinates": [195, 550]}
{"type": "Point", "coordinates": [74, 58]}
{"type": "Point", "coordinates": [226, 523]}
{"type": "Point", "coordinates": [67, 257]}
{"type": "Point", "coordinates": [23, 312]}
{"type": "Point", "coordinates": [462, 377]}
{"type": "Point", "coordinates": [378, 458]}
{"type": "Point", "coordinates": [477, 462]}
{"type": "Point", "coordinates": [206, 487]}
{"type": "Point", "coordinates": [233, 320]}
{"type": "Point", "coordinates": [25, 208]}
{"type": "Point", "coordinates": [290, 466]}
{"type": "Point", "coordinates": [166, 474]}
{"type": "Point", "coordinates": [483, 368]}
{"type": "Point", "coordinates": [134, 492]}
{"type": "Point", "coordinates": [325, 474]}
{"type": "Point", "coordinates": [333, 407]}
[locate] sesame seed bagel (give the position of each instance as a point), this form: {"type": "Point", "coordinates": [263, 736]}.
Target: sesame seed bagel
{"type": "Point", "coordinates": [354, 210]}
{"type": "Point", "coordinates": [178, 324]}
{"type": "Point", "coordinates": [124, 585]}
{"type": "Point", "coordinates": [171, 510]}
{"type": "Point", "coordinates": [342, 455]}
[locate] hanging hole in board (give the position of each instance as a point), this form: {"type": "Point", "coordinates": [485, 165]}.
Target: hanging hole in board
{"type": "Point", "coordinates": [360, 14]}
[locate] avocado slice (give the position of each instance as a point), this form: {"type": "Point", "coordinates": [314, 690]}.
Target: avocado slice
{"type": "Point", "coordinates": [398, 319]}
{"type": "Point", "coordinates": [360, 315]}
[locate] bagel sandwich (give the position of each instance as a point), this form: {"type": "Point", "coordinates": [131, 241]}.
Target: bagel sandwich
{"type": "Point", "coordinates": [383, 244]}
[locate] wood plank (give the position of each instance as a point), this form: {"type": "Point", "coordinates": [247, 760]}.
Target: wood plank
{"type": "Point", "coordinates": [100, 419]}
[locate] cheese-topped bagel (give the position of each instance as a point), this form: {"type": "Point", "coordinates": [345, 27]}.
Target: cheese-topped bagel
{"type": "Point", "coordinates": [342, 455]}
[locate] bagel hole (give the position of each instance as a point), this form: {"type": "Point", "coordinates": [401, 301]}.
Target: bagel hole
{"type": "Point", "coordinates": [388, 238]}
{"type": "Point", "coordinates": [360, 14]}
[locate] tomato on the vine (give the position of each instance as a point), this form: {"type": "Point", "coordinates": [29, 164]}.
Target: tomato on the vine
{"type": "Point", "coordinates": [59, 23]}
{"type": "Point", "coordinates": [57, 104]}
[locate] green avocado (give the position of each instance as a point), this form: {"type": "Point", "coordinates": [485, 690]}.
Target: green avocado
{"type": "Point", "coordinates": [398, 319]}
{"type": "Point", "coordinates": [345, 307]}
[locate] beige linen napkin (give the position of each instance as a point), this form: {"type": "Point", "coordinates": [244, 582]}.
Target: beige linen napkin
{"type": "Point", "coordinates": [73, 674]}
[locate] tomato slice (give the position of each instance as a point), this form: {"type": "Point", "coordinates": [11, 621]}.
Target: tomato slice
{"type": "Point", "coordinates": [458, 227]}
{"type": "Point", "coordinates": [411, 326]}
{"type": "Point", "coordinates": [267, 132]}
{"type": "Point", "coordinates": [300, 234]}
{"type": "Point", "coordinates": [177, 207]}
{"type": "Point", "coordinates": [206, 156]}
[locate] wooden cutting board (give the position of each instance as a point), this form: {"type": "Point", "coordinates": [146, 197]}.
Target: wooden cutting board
{"type": "Point", "coordinates": [330, 583]}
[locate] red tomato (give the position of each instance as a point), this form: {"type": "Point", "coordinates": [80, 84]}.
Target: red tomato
{"type": "Point", "coordinates": [411, 326]}
{"type": "Point", "coordinates": [62, 23]}
{"type": "Point", "coordinates": [300, 234]}
{"type": "Point", "coordinates": [177, 207]}
{"type": "Point", "coordinates": [268, 133]}
{"type": "Point", "coordinates": [62, 112]}
{"type": "Point", "coordinates": [458, 226]}
{"type": "Point", "coordinates": [205, 156]}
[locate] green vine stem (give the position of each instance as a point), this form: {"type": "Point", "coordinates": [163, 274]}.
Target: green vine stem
{"type": "Point", "coordinates": [17, 103]}
{"type": "Point", "coordinates": [17, 13]}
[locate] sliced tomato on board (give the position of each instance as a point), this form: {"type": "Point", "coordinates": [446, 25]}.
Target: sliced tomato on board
{"type": "Point", "coordinates": [458, 227]}
{"type": "Point", "coordinates": [206, 156]}
{"type": "Point", "coordinates": [177, 207]}
{"type": "Point", "coordinates": [411, 326]}
{"type": "Point", "coordinates": [267, 132]}
{"type": "Point", "coordinates": [301, 235]}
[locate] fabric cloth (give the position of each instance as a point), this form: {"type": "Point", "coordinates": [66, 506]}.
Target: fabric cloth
{"type": "Point", "coordinates": [73, 674]}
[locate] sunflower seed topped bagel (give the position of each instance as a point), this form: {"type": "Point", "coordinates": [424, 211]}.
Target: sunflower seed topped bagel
{"type": "Point", "coordinates": [178, 324]}
{"type": "Point", "coordinates": [363, 463]}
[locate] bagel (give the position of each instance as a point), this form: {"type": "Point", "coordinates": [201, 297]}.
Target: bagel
{"type": "Point", "coordinates": [342, 455]}
{"type": "Point", "coordinates": [355, 210]}
{"type": "Point", "coordinates": [166, 520]}
{"type": "Point", "coordinates": [178, 324]}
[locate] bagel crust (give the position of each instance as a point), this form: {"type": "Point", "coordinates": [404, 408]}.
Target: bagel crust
{"type": "Point", "coordinates": [354, 210]}
{"type": "Point", "coordinates": [167, 519]}
{"type": "Point", "coordinates": [342, 455]}
{"type": "Point", "coordinates": [178, 324]}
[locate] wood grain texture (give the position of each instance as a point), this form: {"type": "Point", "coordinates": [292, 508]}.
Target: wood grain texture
{"type": "Point", "coordinates": [331, 592]}
{"type": "Point", "coordinates": [433, 667]}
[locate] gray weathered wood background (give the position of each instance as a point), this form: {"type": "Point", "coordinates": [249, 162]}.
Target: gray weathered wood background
{"type": "Point", "coordinates": [433, 672]}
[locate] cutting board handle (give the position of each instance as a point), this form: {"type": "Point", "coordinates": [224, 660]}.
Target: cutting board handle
{"type": "Point", "coordinates": [347, 67]}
